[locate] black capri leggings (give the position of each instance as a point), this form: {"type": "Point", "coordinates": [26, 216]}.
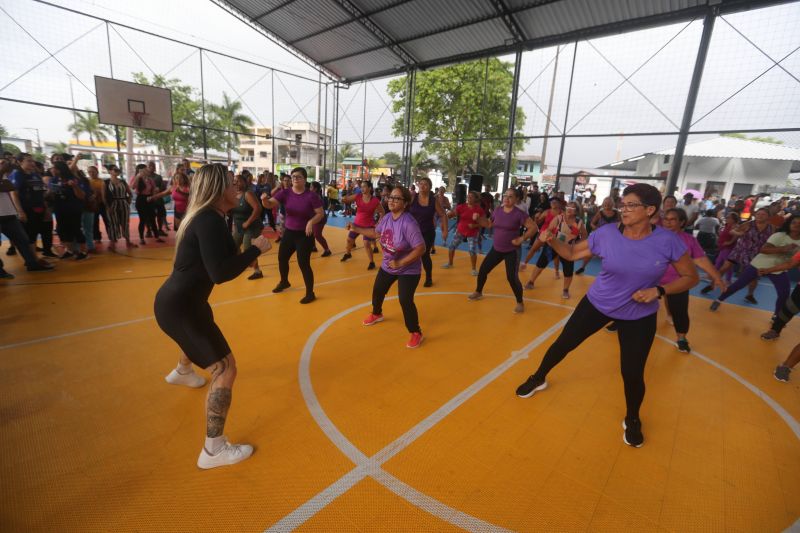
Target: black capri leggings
{"type": "Point", "coordinates": [494, 258]}
{"type": "Point", "coordinates": [406, 286]}
{"type": "Point", "coordinates": [549, 254]}
{"type": "Point", "coordinates": [678, 305]}
{"type": "Point", "coordinates": [635, 339]}
{"type": "Point", "coordinates": [790, 308]}
{"type": "Point", "coordinates": [69, 227]}
{"type": "Point", "coordinates": [296, 241]}
{"type": "Point", "coordinates": [429, 237]}
{"type": "Point", "coordinates": [147, 216]}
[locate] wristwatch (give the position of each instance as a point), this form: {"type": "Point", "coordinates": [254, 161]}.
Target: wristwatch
{"type": "Point", "coordinates": [661, 291]}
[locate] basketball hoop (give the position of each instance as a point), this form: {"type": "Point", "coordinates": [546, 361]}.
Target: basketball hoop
{"type": "Point", "coordinates": [138, 118]}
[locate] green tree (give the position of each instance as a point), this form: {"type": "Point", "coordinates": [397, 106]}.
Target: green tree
{"type": "Point", "coordinates": [89, 123]}
{"type": "Point", "coordinates": [186, 109]}
{"type": "Point", "coordinates": [421, 163]}
{"type": "Point", "coordinates": [3, 131]}
{"type": "Point", "coordinates": [11, 148]}
{"type": "Point", "coordinates": [347, 150]}
{"type": "Point", "coordinates": [447, 106]}
{"type": "Point", "coordinates": [771, 140]}
{"type": "Point", "coordinates": [392, 159]}
{"type": "Point", "coordinates": [229, 117]}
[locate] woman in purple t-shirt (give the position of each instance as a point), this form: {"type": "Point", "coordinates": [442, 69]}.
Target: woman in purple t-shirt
{"type": "Point", "coordinates": [634, 254]}
{"type": "Point", "coordinates": [674, 220]}
{"type": "Point", "coordinates": [303, 211]}
{"type": "Point", "coordinates": [506, 221]}
{"type": "Point", "coordinates": [403, 246]}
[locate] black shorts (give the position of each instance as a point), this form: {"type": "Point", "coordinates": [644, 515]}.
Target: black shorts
{"type": "Point", "coordinates": [191, 325]}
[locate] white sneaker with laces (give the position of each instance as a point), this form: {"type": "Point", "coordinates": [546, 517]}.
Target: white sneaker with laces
{"type": "Point", "coordinates": [230, 454]}
{"type": "Point", "coordinates": [191, 379]}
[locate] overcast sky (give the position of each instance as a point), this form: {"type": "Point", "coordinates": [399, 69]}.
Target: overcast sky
{"type": "Point", "coordinates": [652, 102]}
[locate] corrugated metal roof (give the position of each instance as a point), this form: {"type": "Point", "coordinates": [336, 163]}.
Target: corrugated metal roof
{"type": "Point", "coordinates": [355, 40]}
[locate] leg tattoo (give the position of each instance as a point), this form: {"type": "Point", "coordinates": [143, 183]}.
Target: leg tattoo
{"type": "Point", "coordinates": [219, 400]}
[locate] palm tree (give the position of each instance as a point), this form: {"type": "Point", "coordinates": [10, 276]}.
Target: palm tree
{"type": "Point", "coordinates": [229, 117]}
{"type": "Point", "coordinates": [421, 162]}
{"type": "Point", "coordinates": [89, 123]}
{"type": "Point", "coordinates": [347, 150]}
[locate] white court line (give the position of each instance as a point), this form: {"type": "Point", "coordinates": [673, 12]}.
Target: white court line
{"type": "Point", "coordinates": [372, 466]}
{"type": "Point", "coordinates": [145, 319]}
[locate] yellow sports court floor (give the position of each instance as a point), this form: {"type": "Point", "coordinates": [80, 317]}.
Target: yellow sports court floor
{"type": "Point", "coordinates": [354, 432]}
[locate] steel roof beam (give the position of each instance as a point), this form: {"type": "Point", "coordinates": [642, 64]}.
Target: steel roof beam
{"type": "Point", "coordinates": [508, 19]}
{"type": "Point", "coordinates": [272, 10]}
{"type": "Point", "coordinates": [387, 41]}
{"type": "Point", "coordinates": [346, 22]}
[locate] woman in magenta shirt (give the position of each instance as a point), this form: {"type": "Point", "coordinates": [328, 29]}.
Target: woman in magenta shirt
{"type": "Point", "coordinates": [403, 246]}
{"type": "Point", "coordinates": [303, 210]}
{"type": "Point", "coordinates": [366, 207]}
{"type": "Point", "coordinates": [634, 254]}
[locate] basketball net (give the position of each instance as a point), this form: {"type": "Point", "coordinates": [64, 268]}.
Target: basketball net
{"type": "Point", "coordinates": [138, 117]}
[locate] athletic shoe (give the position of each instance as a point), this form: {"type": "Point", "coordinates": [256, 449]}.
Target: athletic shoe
{"type": "Point", "coordinates": [415, 340]}
{"type": "Point", "coordinates": [751, 299]}
{"type": "Point", "coordinates": [39, 267]}
{"type": "Point", "coordinates": [48, 253]}
{"type": "Point", "coordinates": [375, 250]}
{"type": "Point", "coordinates": [230, 454]}
{"type": "Point", "coordinates": [67, 255]}
{"type": "Point", "coordinates": [447, 265]}
{"type": "Point", "coordinates": [706, 289]}
{"type": "Point", "coordinates": [633, 432]}
{"type": "Point", "coordinates": [580, 271]}
{"type": "Point", "coordinates": [372, 319]}
{"type": "Point", "coordinates": [528, 286]}
{"type": "Point", "coordinates": [308, 298]}
{"type": "Point", "coordinates": [345, 257]}
{"type": "Point", "coordinates": [683, 346]}
{"type": "Point", "coordinates": [531, 386]}
{"type": "Point", "coordinates": [141, 242]}
{"type": "Point", "coordinates": [565, 294]}
{"type": "Point", "coordinates": [612, 328]}
{"type": "Point", "coordinates": [256, 275]}
{"type": "Point", "coordinates": [162, 233]}
{"type": "Point", "coordinates": [371, 266]}
{"type": "Point", "coordinates": [475, 296]}
{"type": "Point", "coordinates": [190, 379]}
{"type": "Point", "coordinates": [11, 251]}
{"type": "Point", "coordinates": [326, 253]}
{"type": "Point", "coordinates": [40, 249]}
{"type": "Point", "coordinates": [6, 275]}
{"type": "Point", "coordinates": [519, 308]}
{"type": "Point", "coordinates": [715, 305]}
{"type": "Point", "coordinates": [428, 283]}
{"type": "Point", "coordinates": [159, 239]}
{"type": "Point", "coordinates": [770, 335]}
{"type": "Point", "coordinates": [433, 251]}
{"type": "Point", "coordinates": [523, 267]}
{"type": "Point", "coordinates": [314, 250]}
{"type": "Point", "coordinates": [782, 373]}
{"type": "Point", "coordinates": [281, 286]}
{"type": "Point", "coordinates": [474, 272]}
{"type": "Point", "coordinates": [81, 256]}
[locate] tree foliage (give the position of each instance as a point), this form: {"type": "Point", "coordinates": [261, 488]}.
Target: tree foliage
{"type": "Point", "coordinates": [227, 116]}
{"type": "Point", "coordinates": [392, 159]}
{"type": "Point", "coordinates": [771, 140]}
{"type": "Point", "coordinates": [447, 106]}
{"type": "Point", "coordinates": [347, 150]}
{"type": "Point", "coordinates": [89, 123]}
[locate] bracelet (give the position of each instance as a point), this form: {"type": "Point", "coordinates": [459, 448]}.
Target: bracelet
{"type": "Point", "coordinates": [661, 291]}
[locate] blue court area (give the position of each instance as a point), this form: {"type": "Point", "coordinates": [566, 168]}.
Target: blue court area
{"type": "Point", "coordinates": [765, 293]}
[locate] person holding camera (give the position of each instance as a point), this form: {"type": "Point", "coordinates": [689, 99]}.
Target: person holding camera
{"type": "Point", "coordinates": [69, 196]}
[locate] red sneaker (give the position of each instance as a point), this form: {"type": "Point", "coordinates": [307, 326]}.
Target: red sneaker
{"type": "Point", "coordinates": [372, 319]}
{"type": "Point", "coordinates": [415, 340]}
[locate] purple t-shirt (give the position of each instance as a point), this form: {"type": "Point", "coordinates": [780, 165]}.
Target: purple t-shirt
{"type": "Point", "coordinates": [695, 251]}
{"type": "Point", "coordinates": [628, 266]}
{"type": "Point", "coordinates": [506, 228]}
{"type": "Point", "coordinates": [398, 238]}
{"type": "Point", "coordinates": [299, 207]}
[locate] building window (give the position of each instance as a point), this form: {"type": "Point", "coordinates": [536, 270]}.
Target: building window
{"type": "Point", "coordinates": [666, 159]}
{"type": "Point", "coordinates": [263, 154]}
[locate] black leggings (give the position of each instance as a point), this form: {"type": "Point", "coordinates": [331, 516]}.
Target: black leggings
{"type": "Point", "coordinates": [147, 216]}
{"type": "Point", "coordinates": [790, 308]}
{"type": "Point", "coordinates": [494, 258]}
{"type": "Point", "coordinates": [678, 305]}
{"type": "Point", "coordinates": [406, 286]}
{"type": "Point", "coordinates": [635, 339]}
{"type": "Point", "coordinates": [296, 241]}
{"type": "Point", "coordinates": [429, 236]}
{"type": "Point", "coordinates": [545, 258]}
{"type": "Point", "coordinates": [40, 224]}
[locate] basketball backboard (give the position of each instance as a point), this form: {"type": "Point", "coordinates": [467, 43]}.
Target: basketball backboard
{"type": "Point", "coordinates": [124, 103]}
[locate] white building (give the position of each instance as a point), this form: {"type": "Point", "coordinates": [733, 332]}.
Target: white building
{"type": "Point", "coordinates": [721, 167]}
{"type": "Point", "coordinates": [295, 144]}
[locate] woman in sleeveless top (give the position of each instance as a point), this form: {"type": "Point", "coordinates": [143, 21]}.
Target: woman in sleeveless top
{"type": "Point", "coordinates": [543, 221]}
{"type": "Point", "coordinates": [247, 223]}
{"type": "Point", "coordinates": [424, 208]}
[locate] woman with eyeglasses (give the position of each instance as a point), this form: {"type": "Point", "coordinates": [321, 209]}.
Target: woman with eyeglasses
{"type": "Point", "coordinates": [506, 220]}
{"type": "Point", "coordinates": [303, 210]}
{"type": "Point", "coordinates": [634, 256]}
{"type": "Point", "coordinates": [675, 220]}
{"type": "Point", "coordinates": [205, 255]}
{"type": "Point", "coordinates": [403, 246]}
{"type": "Point", "coordinates": [567, 228]}
{"type": "Point", "coordinates": [424, 207]}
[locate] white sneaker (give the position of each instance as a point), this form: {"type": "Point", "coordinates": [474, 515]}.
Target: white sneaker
{"type": "Point", "coordinates": [191, 379]}
{"type": "Point", "coordinates": [230, 454]}
{"type": "Point", "coordinates": [474, 272]}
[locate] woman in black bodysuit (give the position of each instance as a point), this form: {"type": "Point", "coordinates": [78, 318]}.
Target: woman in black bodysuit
{"type": "Point", "coordinates": [205, 255]}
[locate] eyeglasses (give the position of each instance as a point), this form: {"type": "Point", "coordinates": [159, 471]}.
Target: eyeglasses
{"type": "Point", "coordinates": [397, 198]}
{"type": "Point", "coordinates": [630, 206]}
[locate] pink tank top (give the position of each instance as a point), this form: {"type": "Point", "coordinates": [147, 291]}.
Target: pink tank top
{"type": "Point", "coordinates": [181, 199]}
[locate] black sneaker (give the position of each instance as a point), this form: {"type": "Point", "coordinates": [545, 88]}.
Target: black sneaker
{"type": "Point", "coordinates": [81, 256]}
{"type": "Point", "coordinates": [633, 432]}
{"type": "Point", "coordinates": [375, 250]}
{"type": "Point", "coordinates": [11, 251]}
{"type": "Point", "coordinates": [433, 251]}
{"type": "Point", "coordinates": [781, 372]}
{"type": "Point", "coordinates": [706, 289]}
{"type": "Point", "coordinates": [345, 257]}
{"type": "Point", "coordinates": [281, 286]}
{"type": "Point", "coordinates": [612, 328]}
{"type": "Point", "coordinates": [67, 255]}
{"type": "Point", "coordinates": [751, 299]}
{"type": "Point", "coordinates": [428, 283]}
{"type": "Point", "coordinates": [6, 275]}
{"type": "Point", "coordinates": [326, 253]}
{"type": "Point", "coordinates": [683, 346]}
{"type": "Point", "coordinates": [308, 298]}
{"type": "Point", "coordinates": [580, 271]}
{"type": "Point", "coordinates": [256, 275]}
{"type": "Point", "coordinates": [314, 250]}
{"type": "Point", "coordinates": [371, 266]}
{"type": "Point", "coordinates": [39, 267]}
{"type": "Point", "coordinates": [532, 385]}
{"type": "Point", "coordinates": [48, 253]}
